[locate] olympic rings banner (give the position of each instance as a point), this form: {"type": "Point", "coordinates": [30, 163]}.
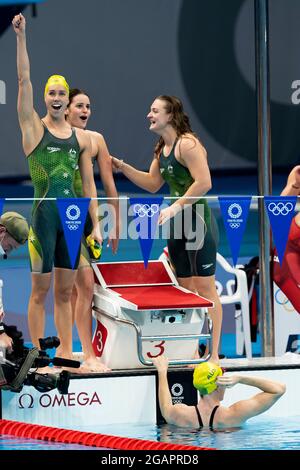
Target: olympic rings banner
{"type": "Point", "coordinates": [146, 212]}
{"type": "Point", "coordinates": [235, 213]}
{"type": "Point", "coordinates": [73, 212]}
{"type": "Point", "coordinates": [280, 210]}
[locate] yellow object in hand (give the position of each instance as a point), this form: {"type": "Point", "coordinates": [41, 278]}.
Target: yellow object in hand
{"type": "Point", "coordinates": [95, 249]}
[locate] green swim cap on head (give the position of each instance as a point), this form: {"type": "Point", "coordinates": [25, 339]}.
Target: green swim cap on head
{"type": "Point", "coordinates": [16, 225]}
{"type": "Point", "coordinates": [205, 376]}
{"type": "Point", "coordinates": [56, 80]}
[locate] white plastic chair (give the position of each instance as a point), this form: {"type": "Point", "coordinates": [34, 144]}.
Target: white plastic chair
{"type": "Point", "coordinates": [237, 294]}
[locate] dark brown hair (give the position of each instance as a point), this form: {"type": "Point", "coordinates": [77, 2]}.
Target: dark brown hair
{"type": "Point", "coordinates": [74, 92]}
{"type": "Point", "coordinates": [180, 120]}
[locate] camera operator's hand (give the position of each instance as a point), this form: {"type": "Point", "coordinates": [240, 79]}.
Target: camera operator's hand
{"type": "Point", "coordinates": [6, 342]}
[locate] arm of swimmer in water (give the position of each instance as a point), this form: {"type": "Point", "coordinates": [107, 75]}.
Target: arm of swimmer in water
{"type": "Point", "coordinates": [173, 414]}
{"type": "Point", "coordinates": [242, 410]}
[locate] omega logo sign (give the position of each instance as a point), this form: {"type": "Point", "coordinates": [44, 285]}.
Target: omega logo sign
{"type": "Point", "coordinates": [26, 400]}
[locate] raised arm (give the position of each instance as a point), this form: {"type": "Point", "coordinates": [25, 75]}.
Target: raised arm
{"type": "Point", "coordinates": [242, 410]}
{"type": "Point", "coordinates": [292, 187]}
{"type": "Point", "coordinates": [30, 123]}
{"type": "Point", "coordinates": [105, 167]}
{"type": "Point", "coordinates": [151, 181]}
{"type": "Point", "coordinates": [88, 182]}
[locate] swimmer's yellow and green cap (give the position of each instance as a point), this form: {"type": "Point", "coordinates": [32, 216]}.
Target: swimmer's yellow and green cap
{"type": "Point", "coordinates": [56, 80]}
{"type": "Point", "coordinates": [205, 376]}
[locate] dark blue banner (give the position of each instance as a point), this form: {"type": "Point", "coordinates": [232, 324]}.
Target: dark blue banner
{"type": "Point", "coordinates": [235, 212]}
{"type": "Point", "coordinates": [146, 212]}
{"type": "Point", "coordinates": [280, 210]}
{"type": "Point", "coordinates": [1, 206]}
{"type": "Point", "coordinates": [73, 213]}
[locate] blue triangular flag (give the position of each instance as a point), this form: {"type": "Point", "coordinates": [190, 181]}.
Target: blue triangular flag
{"type": "Point", "coordinates": [280, 210]}
{"type": "Point", "coordinates": [235, 212]}
{"type": "Point", "coordinates": [146, 212]}
{"type": "Point", "coordinates": [73, 212]}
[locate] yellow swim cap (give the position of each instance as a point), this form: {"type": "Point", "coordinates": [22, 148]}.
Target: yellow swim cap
{"type": "Point", "coordinates": [205, 376]}
{"type": "Point", "coordinates": [56, 80]}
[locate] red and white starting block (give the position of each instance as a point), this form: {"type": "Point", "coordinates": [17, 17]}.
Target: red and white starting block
{"type": "Point", "coordinates": [143, 313]}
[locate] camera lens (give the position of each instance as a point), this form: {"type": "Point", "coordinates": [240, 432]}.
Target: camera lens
{"type": "Point", "coordinates": [172, 319]}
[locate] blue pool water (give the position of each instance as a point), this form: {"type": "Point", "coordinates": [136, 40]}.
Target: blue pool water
{"type": "Point", "coordinates": [258, 434]}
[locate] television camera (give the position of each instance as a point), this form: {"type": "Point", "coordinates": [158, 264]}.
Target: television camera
{"type": "Point", "coordinates": [19, 367]}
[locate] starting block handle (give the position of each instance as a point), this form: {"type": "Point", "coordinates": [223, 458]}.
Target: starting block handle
{"type": "Point", "coordinates": [175, 362]}
{"type": "Point", "coordinates": [141, 338]}
{"type": "Point", "coordinates": [174, 337]}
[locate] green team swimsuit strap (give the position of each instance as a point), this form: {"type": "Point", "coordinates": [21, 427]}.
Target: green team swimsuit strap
{"type": "Point", "coordinates": [52, 166]}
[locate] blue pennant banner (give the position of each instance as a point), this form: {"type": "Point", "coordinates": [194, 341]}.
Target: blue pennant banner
{"type": "Point", "coordinates": [235, 212]}
{"type": "Point", "coordinates": [280, 210]}
{"type": "Point", "coordinates": [1, 206]}
{"type": "Point", "coordinates": [146, 212]}
{"type": "Point", "coordinates": [73, 213]}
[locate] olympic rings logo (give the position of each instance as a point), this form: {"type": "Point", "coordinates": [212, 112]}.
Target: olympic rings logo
{"type": "Point", "coordinates": [72, 227]}
{"type": "Point", "coordinates": [280, 208]}
{"type": "Point", "coordinates": [146, 210]}
{"type": "Point", "coordinates": [235, 210]}
{"type": "Point", "coordinates": [234, 225]}
{"type": "Point", "coordinates": [70, 212]}
{"type": "Point", "coordinates": [281, 299]}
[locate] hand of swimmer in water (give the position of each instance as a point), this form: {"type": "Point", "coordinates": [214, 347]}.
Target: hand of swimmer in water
{"type": "Point", "coordinates": [19, 23]}
{"type": "Point", "coordinates": [161, 363]}
{"type": "Point", "coordinates": [227, 381]}
{"type": "Point", "coordinates": [168, 213]}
